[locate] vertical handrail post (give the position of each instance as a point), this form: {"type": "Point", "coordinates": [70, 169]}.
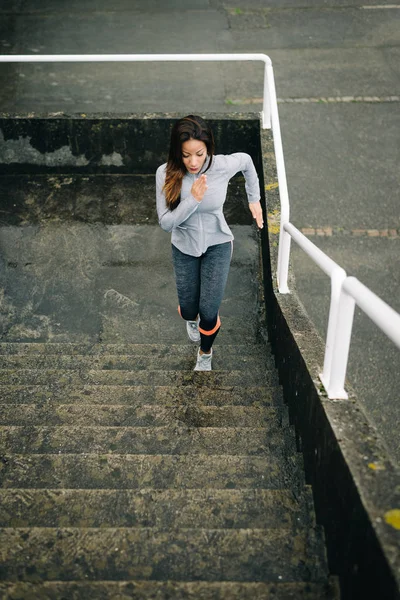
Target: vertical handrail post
{"type": "Point", "coordinates": [285, 241]}
{"type": "Point", "coordinates": [341, 347]}
{"type": "Point", "coordinates": [284, 237]}
{"type": "Point", "coordinates": [338, 276]}
{"type": "Point", "coordinates": [266, 113]}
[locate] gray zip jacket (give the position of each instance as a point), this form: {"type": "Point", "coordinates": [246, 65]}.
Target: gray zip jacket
{"type": "Point", "coordinates": [197, 225]}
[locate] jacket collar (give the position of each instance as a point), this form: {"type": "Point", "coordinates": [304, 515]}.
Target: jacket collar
{"type": "Point", "coordinates": [206, 163]}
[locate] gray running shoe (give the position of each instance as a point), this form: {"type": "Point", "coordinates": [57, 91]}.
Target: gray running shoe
{"type": "Point", "coordinates": [192, 328]}
{"type": "Point", "coordinates": [203, 361]}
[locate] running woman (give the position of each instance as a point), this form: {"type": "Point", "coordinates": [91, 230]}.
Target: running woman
{"type": "Point", "coordinates": [191, 190]}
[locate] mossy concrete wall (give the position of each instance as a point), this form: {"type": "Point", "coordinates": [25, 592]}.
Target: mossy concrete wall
{"type": "Point", "coordinates": [112, 144]}
{"type": "Point", "coordinates": [355, 486]}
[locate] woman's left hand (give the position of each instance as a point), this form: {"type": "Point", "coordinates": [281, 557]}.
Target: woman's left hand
{"type": "Point", "coordinates": [256, 211]}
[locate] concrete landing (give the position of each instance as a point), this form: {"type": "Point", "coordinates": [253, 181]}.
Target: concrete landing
{"type": "Point", "coordinates": [112, 283]}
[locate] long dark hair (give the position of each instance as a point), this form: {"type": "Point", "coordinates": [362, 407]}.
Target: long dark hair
{"type": "Point", "coordinates": [190, 127]}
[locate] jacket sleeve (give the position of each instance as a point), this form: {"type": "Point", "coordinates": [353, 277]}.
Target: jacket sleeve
{"type": "Point", "coordinates": [168, 219]}
{"type": "Point", "coordinates": [240, 161]}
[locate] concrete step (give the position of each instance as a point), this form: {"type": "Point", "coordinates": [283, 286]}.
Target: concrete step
{"type": "Point", "coordinates": [210, 508]}
{"type": "Point", "coordinates": [133, 325]}
{"type": "Point", "coordinates": [133, 350]}
{"type": "Point", "coordinates": [37, 554]}
{"type": "Point", "coordinates": [118, 462]}
{"type": "Point", "coordinates": [122, 415]}
{"type": "Point", "coordinates": [170, 361]}
{"type": "Point", "coordinates": [131, 357]}
{"type": "Point", "coordinates": [178, 439]}
{"type": "Point", "coordinates": [194, 394]}
{"type": "Point", "coordinates": [152, 321]}
{"type": "Point", "coordinates": [106, 199]}
{"type": "Point", "coordinates": [120, 327]}
{"type": "Point", "coordinates": [130, 471]}
{"type": "Point", "coordinates": [145, 377]}
{"type": "Point", "coordinates": [168, 590]}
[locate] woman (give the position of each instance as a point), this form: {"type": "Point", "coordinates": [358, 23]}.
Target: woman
{"type": "Point", "coordinates": [191, 191]}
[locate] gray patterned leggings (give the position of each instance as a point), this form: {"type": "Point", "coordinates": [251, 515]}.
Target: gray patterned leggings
{"type": "Point", "coordinates": [200, 282]}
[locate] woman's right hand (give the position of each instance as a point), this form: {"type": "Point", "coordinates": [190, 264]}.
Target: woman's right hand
{"type": "Point", "coordinates": [199, 188]}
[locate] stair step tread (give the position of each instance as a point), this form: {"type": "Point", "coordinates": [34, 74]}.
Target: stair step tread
{"type": "Point", "coordinates": [166, 590]}
{"type": "Point", "coordinates": [130, 471]}
{"type": "Point", "coordinates": [178, 439]}
{"type": "Point", "coordinates": [192, 415]}
{"type": "Point", "coordinates": [134, 395]}
{"type": "Point", "coordinates": [172, 361]}
{"type": "Point", "coordinates": [99, 349]}
{"type": "Point", "coordinates": [210, 508]}
{"type": "Point", "coordinates": [63, 377]}
{"type": "Point", "coordinates": [158, 554]}
{"type": "Point", "coordinates": [119, 326]}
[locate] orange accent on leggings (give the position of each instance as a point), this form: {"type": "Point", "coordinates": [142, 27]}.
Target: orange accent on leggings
{"type": "Point", "coordinates": [218, 325]}
{"type": "Point", "coordinates": [179, 310]}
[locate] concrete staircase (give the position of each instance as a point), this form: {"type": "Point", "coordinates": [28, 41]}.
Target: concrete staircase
{"type": "Point", "coordinates": [124, 474]}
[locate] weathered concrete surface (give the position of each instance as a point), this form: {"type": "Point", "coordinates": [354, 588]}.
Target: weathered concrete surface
{"type": "Point", "coordinates": [339, 192]}
{"type": "Point", "coordinates": [232, 509]}
{"type": "Point", "coordinates": [109, 200]}
{"type": "Point", "coordinates": [143, 416]}
{"type": "Point", "coordinates": [157, 554]}
{"type": "Point", "coordinates": [91, 283]}
{"type": "Point", "coordinates": [168, 439]}
{"type": "Point", "coordinates": [134, 143]}
{"type": "Point", "coordinates": [59, 379]}
{"type": "Point", "coordinates": [130, 471]}
{"type": "Point", "coordinates": [129, 363]}
{"type": "Point", "coordinates": [137, 590]}
{"type": "Point", "coordinates": [171, 396]}
{"type": "Point", "coordinates": [317, 73]}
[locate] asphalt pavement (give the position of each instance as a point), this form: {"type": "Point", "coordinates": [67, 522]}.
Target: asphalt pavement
{"type": "Point", "coordinates": [337, 71]}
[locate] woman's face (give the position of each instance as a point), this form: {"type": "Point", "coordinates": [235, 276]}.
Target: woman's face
{"type": "Point", "coordinates": [194, 154]}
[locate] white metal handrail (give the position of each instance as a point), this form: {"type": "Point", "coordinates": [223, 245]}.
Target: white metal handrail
{"type": "Point", "coordinates": [344, 291]}
{"type": "Point", "coordinates": [388, 320]}
{"type": "Point", "coordinates": [337, 276]}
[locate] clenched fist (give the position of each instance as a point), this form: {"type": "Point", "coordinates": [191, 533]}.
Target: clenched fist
{"type": "Point", "coordinates": [199, 188]}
